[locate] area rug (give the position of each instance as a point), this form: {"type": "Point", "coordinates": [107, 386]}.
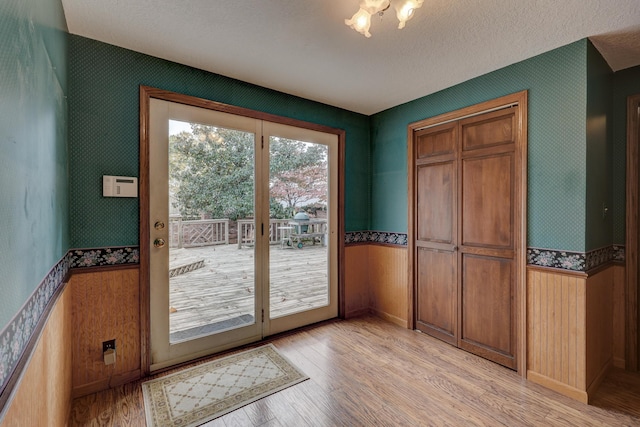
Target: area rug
{"type": "Point", "coordinates": [199, 394]}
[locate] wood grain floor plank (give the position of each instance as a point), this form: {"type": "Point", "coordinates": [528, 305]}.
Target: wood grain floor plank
{"type": "Point", "coordinates": [367, 371]}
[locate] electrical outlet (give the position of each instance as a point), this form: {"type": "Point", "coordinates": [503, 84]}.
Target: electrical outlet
{"type": "Point", "coordinates": [106, 345]}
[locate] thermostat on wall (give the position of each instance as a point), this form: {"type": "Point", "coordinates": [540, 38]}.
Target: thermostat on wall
{"type": "Point", "coordinates": [119, 186]}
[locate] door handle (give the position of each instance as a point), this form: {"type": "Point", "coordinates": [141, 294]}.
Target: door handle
{"type": "Point", "coordinates": [159, 225]}
{"type": "Point", "coordinates": [158, 243]}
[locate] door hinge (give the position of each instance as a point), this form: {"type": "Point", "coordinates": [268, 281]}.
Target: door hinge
{"type": "Point", "coordinates": [262, 142]}
{"type": "Point", "coordinates": [263, 315]}
{"type": "Point", "coordinates": [262, 229]}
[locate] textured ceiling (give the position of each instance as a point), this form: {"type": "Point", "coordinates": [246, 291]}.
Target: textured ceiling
{"type": "Point", "coordinates": [303, 47]}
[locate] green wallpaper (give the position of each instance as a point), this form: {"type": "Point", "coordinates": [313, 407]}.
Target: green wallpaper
{"type": "Point", "coordinates": [568, 177]}
{"type": "Point", "coordinates": [103, 134]}
{"type": "Point", "coordinates": [557, 84]}
{"type": "Point", "coordinates": [599, 227]}
{"type": "Point", "coordinates": [33, 148]}
{"type": "Point", "coordinates": [625, 83]}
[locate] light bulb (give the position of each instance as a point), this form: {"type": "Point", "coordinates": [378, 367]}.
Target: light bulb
{"type": "Point", "coordinates": [360, 21]}
{"type": "Point", "coordinates": [405, 11]}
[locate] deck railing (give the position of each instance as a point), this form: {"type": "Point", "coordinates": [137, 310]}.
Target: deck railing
{"type": "Point", "coordinates": [204, 232]}
{"type": "Point", "coordinates": [246, 231]}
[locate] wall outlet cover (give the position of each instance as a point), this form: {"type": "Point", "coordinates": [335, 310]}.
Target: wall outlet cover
{"type": "Point", "coordinates": [106, 345]}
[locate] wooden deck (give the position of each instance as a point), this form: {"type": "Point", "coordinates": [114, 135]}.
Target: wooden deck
{"type": "Point", "coordinates": [219, 292]}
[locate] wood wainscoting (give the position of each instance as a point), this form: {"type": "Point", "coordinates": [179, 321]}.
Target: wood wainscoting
{"type": "Point", "coordinates": [106, 306]}
{"type": "Point", "coordinates": [388, 281]}
{"type": "Point", "coordinates": [43, 395]}
{"type": "Point", "coordinates": [356, 280]}
{"type": "Point", "coordinates": [376, 281]}
{"type": "Point", "coordinates": [570, 326]}
{"type": "Point", "coordinates": [619, 316]}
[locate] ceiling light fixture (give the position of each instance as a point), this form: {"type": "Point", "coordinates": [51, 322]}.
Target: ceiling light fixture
{"type": "Point", "coordinates": [361, 20]}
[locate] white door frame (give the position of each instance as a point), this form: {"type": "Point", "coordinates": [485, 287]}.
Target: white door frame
{"type": "Point", "coordinates": [148, 93]}
{"type": "Point", "coordinates": [163, 352]}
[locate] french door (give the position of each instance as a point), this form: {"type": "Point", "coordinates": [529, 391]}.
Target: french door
{"type": "Point", "coordinates": [243, 229]}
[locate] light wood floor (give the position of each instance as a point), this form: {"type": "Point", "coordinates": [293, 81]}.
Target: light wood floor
{"type": "Point", "coordinates": [223, 289]}
{"type": "Point", "coordinates": [367, 372]}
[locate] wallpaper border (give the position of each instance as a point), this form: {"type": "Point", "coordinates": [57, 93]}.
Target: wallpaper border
{"type": "Point", "coordinates": [378, 237]}
{"type": "Point", "coordinates": [97, 257]}
{"type": "Point", "coordinates": [575, 261]}
{"type": "Point", "coordinates": [541, 257]}
{"type": "Point", "coordinates": [23, 330]}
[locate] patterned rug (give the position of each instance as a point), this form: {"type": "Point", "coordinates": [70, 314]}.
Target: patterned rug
{"type": "Point", "coordinates": [199, 394]}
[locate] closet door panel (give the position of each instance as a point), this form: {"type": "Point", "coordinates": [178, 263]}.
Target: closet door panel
{"type": "Point", "coordinates": [489, 130]}
{"type": "Point", "coordinates": [488, 310]}
{"type": "Point", "coordinates": [436, 195]}
{"type": "Point", "coordinates": [436, 232]}
{"type": "Point", "coordinates": [436, 141]}
{"type": "Point", "coordinates": [487, 201]}
{"type": "Point", "coordinates": [437, 297]}
{"type": "Point", "coordinates": [487, 234]}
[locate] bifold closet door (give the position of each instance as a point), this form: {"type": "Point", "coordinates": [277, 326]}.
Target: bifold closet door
{"type": "Point", "coordinates": [486, 227]}
{"type": "Point", "coordinates": [436, 232]}
{"type": "Point", "coordinates": [465, 196]}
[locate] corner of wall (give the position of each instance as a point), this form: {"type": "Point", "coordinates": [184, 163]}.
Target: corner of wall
{"type": "Point", "coordinates": [571, 332]}
{"type": "Point", "coordinates": [599, 327]}
{"type": "Point", "coordinates": [356, 280]}
{"type": "Point", "coordinates": [599, 152]}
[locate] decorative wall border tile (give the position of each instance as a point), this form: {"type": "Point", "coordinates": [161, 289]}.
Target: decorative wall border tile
{"type": "Point", "coordinates": [598, 257]}
{"type": "Point", "coordinates": [619, 253]}
{"type": "Point", "coordinates": [552, 258]}
{"type": "Point", "coordinates": [575, 261]}
{"type": "Point", "coordinates": [565, 260]}
{"type": "Point", "coordinates": [379, 237]}
{"type": "Point", "coordinates": [356, 237]}
{"type": "Point", "coordinates": [81, 258]}
{"type": "Point", "coordinates": [18, 333]}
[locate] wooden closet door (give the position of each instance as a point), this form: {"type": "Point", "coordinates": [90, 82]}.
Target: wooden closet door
{"type": "Point", "coordinates": [486, 222]}
{"type": "Point", "coordinates": [436, 238]}
{"type": "Point", "coordinates": [466, 190]}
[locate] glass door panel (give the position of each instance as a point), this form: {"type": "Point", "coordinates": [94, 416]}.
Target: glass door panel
{"type": "Point", "coordinates": [205, 292]}
{"type": "Point", "coordinates": [211, 190]}
{"type": "Point", "coordinates": [298, 256]}
{"type": "Point", "coordinates": [302, 285]}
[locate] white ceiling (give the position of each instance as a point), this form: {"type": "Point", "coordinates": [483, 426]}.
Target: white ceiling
{"type": "Point", "coordinates": [303, 47]}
